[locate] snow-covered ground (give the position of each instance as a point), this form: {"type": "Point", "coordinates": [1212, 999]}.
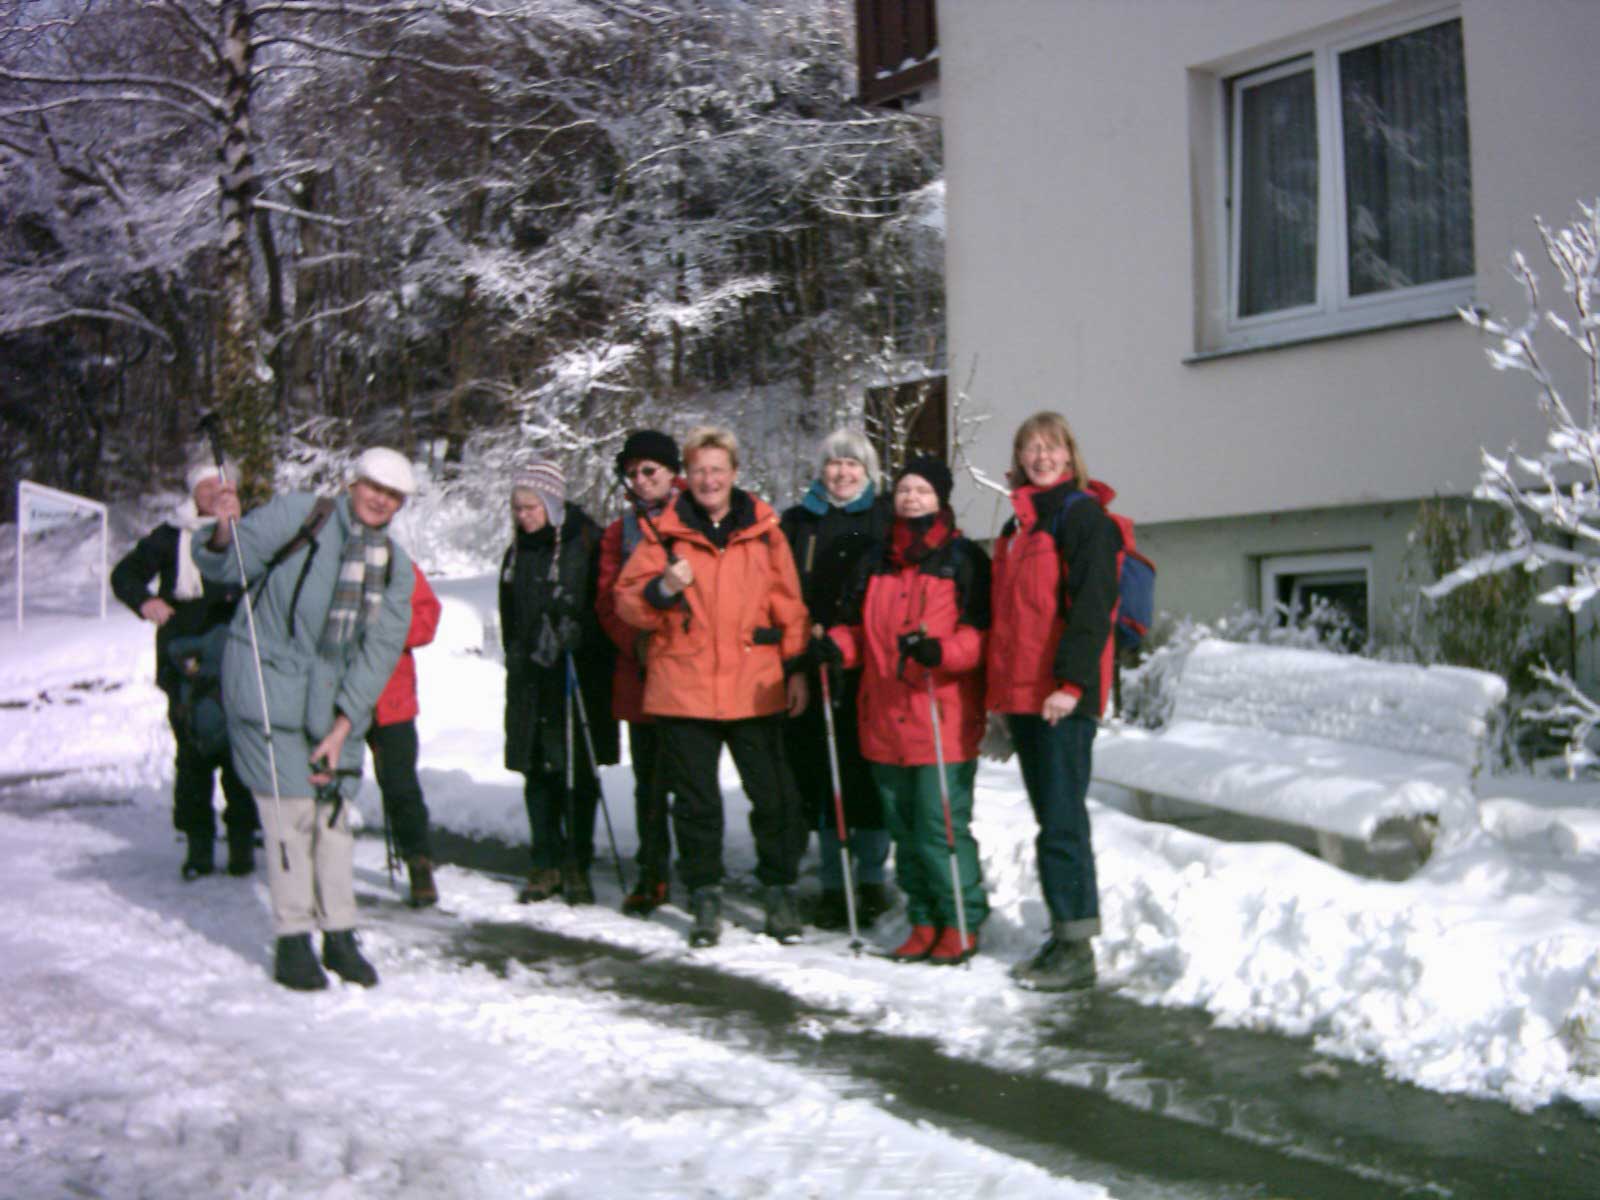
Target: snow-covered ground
{"type": "Point", "coordinates": [145, 1041]}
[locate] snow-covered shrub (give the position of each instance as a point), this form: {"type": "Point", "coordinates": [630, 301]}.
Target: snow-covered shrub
{"type": "Point", "coordinates": [1552, 500]}
{"type": "Point", "coordinates": [1150, 689]}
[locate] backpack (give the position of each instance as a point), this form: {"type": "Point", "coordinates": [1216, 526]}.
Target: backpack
{"type": "Point", "coordinates": [1136, 582]}
{"type": "Point", "coordinates": [198, 718]}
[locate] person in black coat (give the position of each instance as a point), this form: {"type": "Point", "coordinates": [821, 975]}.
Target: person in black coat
{"type": "Point", "coordinates": [548, 581]}
{"type": "Point", "coordinates": [183, 607]}
{"type": "Point", "coordinates": [833, 527]}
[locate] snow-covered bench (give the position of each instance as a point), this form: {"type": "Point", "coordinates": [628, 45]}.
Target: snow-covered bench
{"type": "Point", "coordinates": [1348, 748]}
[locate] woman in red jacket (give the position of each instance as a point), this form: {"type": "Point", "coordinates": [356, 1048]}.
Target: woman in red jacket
{"type": "Point", "coordinates": [919, 612]}
{"type": "Point", "coordinates": [1050, 660]}
{"type": "Point", "coordinates": [393, 741]}
{"type": "Point", "coordinates": [648, 466]}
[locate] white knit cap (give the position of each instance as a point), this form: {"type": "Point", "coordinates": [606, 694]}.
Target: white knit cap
{"type": "Point", "coordinates": [386, 468]}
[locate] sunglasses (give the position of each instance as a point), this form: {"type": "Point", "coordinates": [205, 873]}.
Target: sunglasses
{"type": "Point", "coordinates": [642, 472]}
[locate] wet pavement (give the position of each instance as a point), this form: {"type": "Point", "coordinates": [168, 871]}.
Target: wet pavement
{"type": "Point", "coordinates": [1156, 1104]}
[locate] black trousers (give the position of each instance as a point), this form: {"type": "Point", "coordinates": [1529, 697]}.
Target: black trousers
{"type": "Point", "coordinates": [394, 765]}
{"type": "Point", "coordinates": [650, 798]}
{"type": "Point", "coordinates": [806, 740]}
{"type": "Point", "coordinates": [192, 789]}
{"type": "Point", "coordinates": [691, 749]}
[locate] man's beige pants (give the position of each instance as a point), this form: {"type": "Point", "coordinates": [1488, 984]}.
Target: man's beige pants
{"type": "Point", "coordinates": [317, 890]}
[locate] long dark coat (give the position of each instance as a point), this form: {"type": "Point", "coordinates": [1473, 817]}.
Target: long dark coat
{"type": "Point", "coordinates": [530, 595]}
{"type": "Point", "coordinates": [156, 558]}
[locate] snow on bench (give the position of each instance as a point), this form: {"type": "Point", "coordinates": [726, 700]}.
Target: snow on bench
{"type": "Point", "coordinates": [1343, 746]}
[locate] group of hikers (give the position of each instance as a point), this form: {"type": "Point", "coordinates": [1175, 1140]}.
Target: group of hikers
{"type": "Point", "coordinates": [848, 655]}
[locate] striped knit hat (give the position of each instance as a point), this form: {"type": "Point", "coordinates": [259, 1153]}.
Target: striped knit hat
{"type": "Point", "coordinates": [549, 482]}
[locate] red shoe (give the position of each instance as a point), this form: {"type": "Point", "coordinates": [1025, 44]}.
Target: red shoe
{"type": "Point", "coordinates": [646, 897]}
{"type": "Point", "coordinates": [916, 947]}
{"type": "Point", "coordinates": [950, 950]}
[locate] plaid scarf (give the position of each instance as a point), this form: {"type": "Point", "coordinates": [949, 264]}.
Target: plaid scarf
{"type": "Point", "coordinates": [358, 593]}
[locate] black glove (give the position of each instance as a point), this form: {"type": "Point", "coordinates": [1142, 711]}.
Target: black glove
{"type": "Point", "coordinates": [920, 648]}
{"type": "Point", "coordinates": [824, 652]}
{"type": "Point", "coordinates": [569, 631]}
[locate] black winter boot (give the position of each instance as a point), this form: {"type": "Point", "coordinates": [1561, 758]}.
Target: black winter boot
{"type": "Point", "coordinates": [783, 922]}
{"type": "Point", "coordinates": [1061, 966]}
{"type": "Point", "coordinates": [874, 900]}
{"type": "Point", "coordinates": [832, 911]}
{"type": "Point", "coordinates": [201, 860]}
{"type": "Point", "coordinates": [241, 851]}
{"type": "Point", "coordinates": [342, 956]}
{"type": "Point", "coordinates": [706, 905]}
{"type": "Point", "coordinates": [296, 964]}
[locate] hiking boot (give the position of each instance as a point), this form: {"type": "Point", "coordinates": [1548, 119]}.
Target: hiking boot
{"type": "Point", "coordinates": [831, 911]}
{"type": "Point", "coordinates": [648, 895]}
{"type": "Point", "coordinates": [295, 965]}
{"type": "Point", "coordinates": [423, 890]}
{"type": "Point", "coordinates": [575, 885]}
{"type": "Point", "coordinates": [543, 882]}
{"type": "Point", "coordinates": [1061, 966]}
{"type": "Point", "coordinates": [200, 860]}
{"type": "Point", "coordinates": [342, 956]}
{"type": "Point", "coordinates": [916, 947]}
{"type": "Point", "coordinates": [706, 905]}
{"type": "Point", "coordinates": [873, 901]}
{"type": "Point", "coordinates": [952, 949]}
{"type": "Point", "coordinates": [241, 852]}
{"type": "Point", "coordinates": [783, 921]}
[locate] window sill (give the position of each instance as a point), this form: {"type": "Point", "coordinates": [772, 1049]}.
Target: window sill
{"type": "Point", "coordinates": [1311, 339]}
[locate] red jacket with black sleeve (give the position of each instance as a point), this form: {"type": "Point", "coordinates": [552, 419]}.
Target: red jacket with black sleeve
{"type": "Point", "coordinates": [947, 595]}
{"type": "Point", "coordinates": [1054, 600]}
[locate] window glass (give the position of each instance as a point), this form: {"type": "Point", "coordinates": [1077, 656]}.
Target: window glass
{"type": "Point", "coordinates": [1278, 194]}
{"type": "Point", "coordinates": [1408, 188]}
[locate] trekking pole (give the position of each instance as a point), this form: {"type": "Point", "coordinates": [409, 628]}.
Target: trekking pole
{"type": "Point", "coordinates": [208, 425]}
{"type": "Point", "coordinates": [594, 765]}
{"type": "Point", "coordinates": [949, 826]}
{"type": "Point", "coordinates": [838, 806]}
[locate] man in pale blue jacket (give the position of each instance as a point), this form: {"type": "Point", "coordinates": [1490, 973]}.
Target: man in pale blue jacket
{"type": "Point", "coordinates": [330, 622]}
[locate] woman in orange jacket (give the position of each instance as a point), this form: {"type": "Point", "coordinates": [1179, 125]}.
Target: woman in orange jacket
{"type": "Point", "coordinates": [714, 583]}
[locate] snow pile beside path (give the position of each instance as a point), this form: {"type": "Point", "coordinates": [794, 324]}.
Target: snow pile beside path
{"type": "Point", "coordinates": [80, 694]}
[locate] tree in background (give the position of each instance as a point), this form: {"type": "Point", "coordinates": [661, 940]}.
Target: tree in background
{"type": "Point", "coordinates": [487, 226]}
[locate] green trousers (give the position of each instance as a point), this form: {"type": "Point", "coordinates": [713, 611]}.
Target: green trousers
{"type": "Point", "coordinates": [913, 811]}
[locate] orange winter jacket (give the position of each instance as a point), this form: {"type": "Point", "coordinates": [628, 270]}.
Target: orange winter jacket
{"type": "Point", "coordinates": [721, 656]}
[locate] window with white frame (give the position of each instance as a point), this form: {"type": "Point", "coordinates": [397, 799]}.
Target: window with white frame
{"type": "Point", "coordinates": [1349, 190]}
{"type": "Point", "coordinates": [1299, 582]}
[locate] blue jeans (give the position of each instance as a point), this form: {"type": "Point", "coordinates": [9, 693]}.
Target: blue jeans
{"type": "Point", "coordinates": [1055, 769]}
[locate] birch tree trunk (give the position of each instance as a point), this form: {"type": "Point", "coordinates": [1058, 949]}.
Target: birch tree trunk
{"type": "Point", "coordinates": [242, 394]}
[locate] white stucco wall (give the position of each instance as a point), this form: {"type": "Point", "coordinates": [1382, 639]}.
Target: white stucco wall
{"type": "Point", "coordinates": [1072, 268]}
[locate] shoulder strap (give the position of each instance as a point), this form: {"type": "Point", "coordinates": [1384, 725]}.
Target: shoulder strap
{"type": "Point", "coordinates": [309, 528]}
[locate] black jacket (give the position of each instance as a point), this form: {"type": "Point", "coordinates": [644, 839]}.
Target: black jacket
{"type": "Point", "coordinates": [827, 549]}
{"type": "Point", "coordinates": [156, 557]}
{"type": "Point", "coordinates": [543, 616]}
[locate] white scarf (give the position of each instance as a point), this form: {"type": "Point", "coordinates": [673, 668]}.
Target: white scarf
{"type": "Point", "coordinates": [188, 585]}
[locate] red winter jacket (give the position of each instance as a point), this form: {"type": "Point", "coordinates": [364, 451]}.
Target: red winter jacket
{"type": "Point", "coordinates": [1055, 596]}
{"type": "Point", "coordinates": [399, 699]}
{"type": "Point", "coordinates": [947, 594]}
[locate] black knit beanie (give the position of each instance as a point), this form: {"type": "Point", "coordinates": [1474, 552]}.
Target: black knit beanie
{"type": "Point", "coordinates": [934, 471]}
{"type": "Point", "coordinates": [649, 444]}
